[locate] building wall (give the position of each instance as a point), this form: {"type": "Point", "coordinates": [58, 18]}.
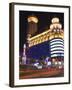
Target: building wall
{"type": "Point", "coordinates": [32, 28]}
{"type": "Point", "coordinates": [39, 50]}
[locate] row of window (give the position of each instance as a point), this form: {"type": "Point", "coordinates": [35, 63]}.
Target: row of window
{"type": "Point", "coordinates": [43, 39]}
{"type": "Point", "coordinates": [57, 47]}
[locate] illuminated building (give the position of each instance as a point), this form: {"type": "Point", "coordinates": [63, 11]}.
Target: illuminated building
{"type": "Point", "coordinates": [32, 25]}
{"type": "Point", "coordinates": [57, 43]}
{"type": "Point", "coordinates": [55, 31]}
{"type": "Point", "coordinates": [49, 43]}
{"type": "Point", "coordinates": [32, 29]}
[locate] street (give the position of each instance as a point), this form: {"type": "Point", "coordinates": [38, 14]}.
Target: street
{"type": "Point", "coordinates": [41, 73]}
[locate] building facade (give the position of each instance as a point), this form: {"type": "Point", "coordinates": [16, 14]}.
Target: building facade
{"type": "Point", "coordinates": [50, 43]}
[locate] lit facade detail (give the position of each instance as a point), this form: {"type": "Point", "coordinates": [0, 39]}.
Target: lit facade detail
{"type": "Point", "coordinates": [45, 37]}
{"type": "Point", "coordinates": [32, 26]}
{"type": "Point", "coordinates": [32, 19]}
{"type": "Point", "coordinates": [55, 20]}
{"type": "Point", "coordinates": [55, 31]}
{"type": "Point", "coordinates": [57, 43]}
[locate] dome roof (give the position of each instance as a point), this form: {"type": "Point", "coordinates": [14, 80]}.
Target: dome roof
{"type": "Point", "coordinates": [55, 20]}
{"type": "Point", "coordinates": [33, 19]}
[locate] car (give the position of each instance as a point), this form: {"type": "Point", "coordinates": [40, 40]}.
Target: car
{"type": "Point", "coordinates": [37, 65]}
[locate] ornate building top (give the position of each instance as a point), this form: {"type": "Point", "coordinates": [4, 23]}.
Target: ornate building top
{"type": "Point", "coordinates": [55, 31]}
{"type": "Point", "coordinates": [33, 19]}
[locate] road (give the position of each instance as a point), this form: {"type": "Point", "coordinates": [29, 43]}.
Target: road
{"type": "Point", "coordinates": [43, 73]}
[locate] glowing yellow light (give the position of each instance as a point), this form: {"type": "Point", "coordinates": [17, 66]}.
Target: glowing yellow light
{"type": "Point", "coordinates": [61, 36]}
{"type": "Point", "coordinates": [55, 20]}
{"type": "Point", "coordinates": [45, 39]}
{"type": "Point", "coordinates": [59, 26]}
{"type": "Point", "coordinates": [56, 25]}
{"type": "Point", "coordinates": [32, 18]}
{"type": "Point", "coordinates": [47, 35]}
{"type": "Point", "coordinates": [56, 35]}
{"type": "Point", "coordinates": [51, 26]}
{"type": "Point", "coordinates": [56, 63]}
{"type": "Point", "coordinates": [39, 35]}
{"type": "Point", "coordinates": [51, 37]}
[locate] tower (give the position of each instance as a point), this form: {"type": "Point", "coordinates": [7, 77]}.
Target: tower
{"type": "Point", "coordinates": [32, 29]}
{"type": "Point", "coordinates": [24, 54]}
{"type": "Point", "coordinates": [32, 25]}
{"type": "Point", "coordinates": [57, 43]}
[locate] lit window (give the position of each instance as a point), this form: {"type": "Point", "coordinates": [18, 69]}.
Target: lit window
{"type": "Point", "coordinates": [53, 60]}
{"type": "Point", "coordinates": [59, 26]}
{"type": "Point", "coordinates": [56, 42]}
{"type": "Point", "coordinates": [49, 63]}
{"type": "Point", "coordinates": [56, 35]}
{"type": "Point", "coordinates": [51, 26]}
{"type": "Point", "coordinates": [54, 30]}
{"type": "Point", "coordinates": [60, 67]}
{"type": "Point", "coordinates": [59, 63]}
{"type": "Point", "coordinates": [58, 30]}
{"type": "Point", "coordinates": [55, 63]}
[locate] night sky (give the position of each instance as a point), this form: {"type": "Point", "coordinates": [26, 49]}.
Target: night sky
{"type": "Point", "coordinates": [43, 23]}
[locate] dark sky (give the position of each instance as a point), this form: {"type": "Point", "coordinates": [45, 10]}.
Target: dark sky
{"type": "Point", "coordinates": [43, 23]}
